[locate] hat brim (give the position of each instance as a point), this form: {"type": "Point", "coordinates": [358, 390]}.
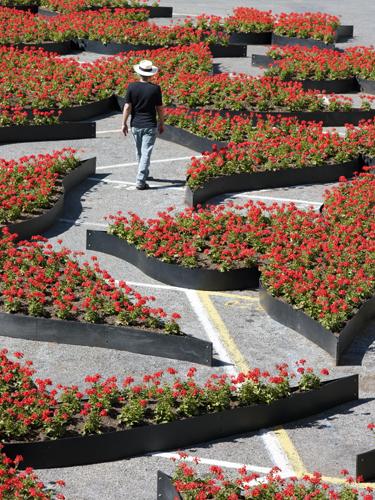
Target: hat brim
{"type": "Point", "coordinates": [138, 70]}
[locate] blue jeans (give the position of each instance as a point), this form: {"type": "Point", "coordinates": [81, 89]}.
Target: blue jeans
{"type": "Point", "coordinates": [144, 139]}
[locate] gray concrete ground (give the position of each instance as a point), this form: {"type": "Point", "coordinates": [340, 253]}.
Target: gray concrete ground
{"type": "Point", "coordinates": [327, 442]}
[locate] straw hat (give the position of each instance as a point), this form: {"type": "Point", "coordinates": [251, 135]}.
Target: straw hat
{"type": "Point", "coordinates": [145, 68]}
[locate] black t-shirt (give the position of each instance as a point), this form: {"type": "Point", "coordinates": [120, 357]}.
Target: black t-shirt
{"type": "Point", "coordinates": [144, 97]}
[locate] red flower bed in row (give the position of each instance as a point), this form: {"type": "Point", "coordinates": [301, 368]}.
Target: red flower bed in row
{"type": "Point", "coordinates": [36, 79]}
{"type": "Point", "coordinates": [39, 281]}
{"type": "Point", "coordinates": [103, 25]}
{"type": "Point", "coordinates": [31, 184]}
{"type": "Point", "coordinates": [67, 6]}
{"type": "Point", "coordinates": [193, 486]}
{"type": "Point", "coordinates": [23, 484]}
{"type": "Point", "coordinates": [322, 264]}
{"type": "Point", "coordinates": [301, 63]}
{"type": "Point", "coordinates": [34, 409]}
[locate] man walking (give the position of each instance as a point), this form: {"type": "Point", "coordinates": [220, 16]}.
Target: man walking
{"type": "Point", "coordinates": [143, 101]}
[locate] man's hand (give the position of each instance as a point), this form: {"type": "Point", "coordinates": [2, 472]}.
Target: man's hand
{"type": "Point", "coordinates": [161, 128]}
{"type": "Point", "coordinates": [125, 129]}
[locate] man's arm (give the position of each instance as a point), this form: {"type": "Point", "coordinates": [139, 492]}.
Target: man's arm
{"type": "Point", "coordinates": [160, 112]}
{"type": "Point", "coordinates": [125, 116]}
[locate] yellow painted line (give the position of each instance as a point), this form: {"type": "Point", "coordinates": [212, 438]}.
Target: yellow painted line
{"type": "Point", "coordinates": [240, 361]}
{"type": "Point", "coordinates": [226, 338]}
{"type": "Point", "coordinates": [233, 296]}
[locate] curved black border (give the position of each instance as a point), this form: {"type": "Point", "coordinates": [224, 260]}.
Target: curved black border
{"type": "Point", "coordinates": [154, 11]}
{"type": "Point", "coordinates": [40, 223]}
{"type": "Point", "coordinates": [304, 42]}
{"type": "Point", "coordinates": [40, 133]}
{"type": "Point", "coordinates": [62, 48]}
{"type": "Point", "coordinates": [365, 465]}
{"type": "Point", "coordinates": [262, 61]}
{"type": "Point", "coordinates": [188, 139]}
{"type": "Point", "coordinates": [32, 8]}
{"type": "Point", "coordinates": [88, 110]}
{"type": "Point", "coordinates": [367, 86]}
{"type": "Point", "coordinates": [166, 490]}
{"type": "Point", "coordinates": [112, 48]}
{"type": "Point", "coordinates": [68, 452]}
{"type": "Point", "coordinates": [270, 179]}
{"type": "Point", "coordinates": [344, 32]}
{"type": "Point", "coordinates": [261, 38]}
{"type": "Point", "coordinates": [333, 343]}
{"type": "Point", "coordinates": [172, 274]}
{"type": "Point", "coordinates": [121, 338]}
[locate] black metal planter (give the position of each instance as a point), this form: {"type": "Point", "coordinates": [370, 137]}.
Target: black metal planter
{"type": "Point", "coordinates": [304, 42]}
{"type": "Point", "coordinates": [40, 223]}
{"type": "Point", "coordinates": [112, 48]}
{"type": "Point", "coordinates": [365, 465]}
{"type": "Point", "coordinates": [166, 490]}
{"type": "Point", "coordinates": [172, 274]}
{"type": "Point", "coordinates": [333, 343]}
{"type": "Point", "coordinates": [270, 179]}
{"type": "Point", "coordinates": [367, 86]}
{"type": "Point", "coordinates": [251, 38]}
{"type": "Point", "coordinates": [32, 8]}
{"type": "Point", "coordinates": [262, 61]}
{"type": "Point", "coordinates": [73, 451]}
{"type": "Point", "coordinates": [154, 11]}
{"type": "Point", "coordinates": [61, 48]}
{"type": "Point", "coordinates": [344, 86]}
{"type": "Point", "coordinates": [188, 139]}
{"type": "Point", "coordinates": [121, 338]}
{"type": "Point", "coordinates": [54, 132]}
{"type": "Point", "coordinates": [231, 50]}
{"type": "Point", "coordinates": [344, 32]}
{"type": "Point", "coordinates": [89, 110]}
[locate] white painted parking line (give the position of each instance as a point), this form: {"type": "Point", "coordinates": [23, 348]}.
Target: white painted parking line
{"type": "Point", "coordinates": [210, 461]}
{"type": "Point", "coordinates": [78, 222]}
{"type": "Point", "coordinates": [157, 286]}
{"type": "Point", "coordinates": [274, 198]}
{"type": "Point", "coordinates": [276, 453]}
{"type": "Point", "coordinates": [108, 131]}
{"type": "Point", "coordinates": [134, 163]}
{"type": "Point", "coordinates": [131, 185]}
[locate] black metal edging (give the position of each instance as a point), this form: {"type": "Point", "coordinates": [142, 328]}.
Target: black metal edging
{"type": "Point", "coordinates": [32, 8]}
{"type": "Point", "coordinates": [262, 61]}
{"type": "Point", "coordinates": [251, 38]}
{"type": "Point", "coordinates": [166, 490]}
{"type": "Point", "coordinates": [188, 139]}
{"type": "Point", "coordinates": [74, 451]}
{"type": "Point", "coordinates": [333, 343]}
{"type": "Point", "coordinates": [89, 110]}
{"type": "Point", "coordinates": [270, 179]}
{"type": "Point", "coordinates": [121, 338]}
{"type": "Point", "coordinates": [304, 42]}
{"type": "Point", "coordinates": [365, 465]}
{"type": "Point", "coordinates": [40, 223]}
{"type": "Point", "coordinates": [53, 132]}
{"type": "Point", "coordinates": [62, 48]}
{"type": "Point", "coordinates": [344, 32]}
{"type": "Point", "coordinates": [172, 274]}
{"type": "Point", "coordinates": [367, 86]}
{"type": "Point", "coordinates": [233, 50]}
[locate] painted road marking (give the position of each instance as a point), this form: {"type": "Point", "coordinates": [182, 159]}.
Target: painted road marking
{"type": "Point", "coordinates": [274, 198]}
{"type": "Point", "coordinates": [108, 131]}
{"type": "Point", "coordinates": [135, 163]}
{"type": "Point", "coordinates": [79, 222]}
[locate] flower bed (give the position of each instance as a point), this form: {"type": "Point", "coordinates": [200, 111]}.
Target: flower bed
{"type": "Point", "coordinates": [69, 6]}
{"type": "Point", "coordinates": [261, 95]}
{"type": "Point", "coordinates": [316, 26]}
{"type": "Point", "coordinates": [34, 188]}
{"type": "Point", "coordinates": [212, 249]}
{"type": "Point", "coordinates": [23, 484]}
{"type": "Point", "coordinates": [47, 296]}
{"type": "Point", "coordinates": [277, 153]}
{"type": "Point", "coordinates": [306, 270]}
{"type": "Point", "coordinates": [44, 81]}
{"type": "Point", "coordinates": [187, 484]}
{"type": "Point", "coordinates": [165, 410]}
{"type": "Point", "coordinates": [16, 125]}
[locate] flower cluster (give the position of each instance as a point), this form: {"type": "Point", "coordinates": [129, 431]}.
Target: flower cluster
{"type": "Point", "coordinates": [215, 237]}
{"type": "Point", "coordinates": [18, 3]}
{"type": "Point", "coordinates": [16, 115]}
{"type": "Point", "coordinates": [324, 264]}
{"type": "Point", "coordinates": [32, 408]}
{"type": "Point", "coordinates": [274, 144]}
{"type": "Point", "coordinates": [40, 80]}
{"type": "Point", "coordinates": [23, 27]}
{"type": "Point", "coordinates": [67, 6]}
{"type": "Point", "coordinates": [39, 281]}
{"type": "Point", "coordinates": [23, 484]}
{"type": "Point", "coordinates": [242, 92]}
{"type": "Point", "coordinates": [32, 183]}
{"type": "Point", "coordinates": [301, 63]}
{"type": "Point", "coordinates": [192, 486]}
{"type": "Point", "coordinates": [316, 25]}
